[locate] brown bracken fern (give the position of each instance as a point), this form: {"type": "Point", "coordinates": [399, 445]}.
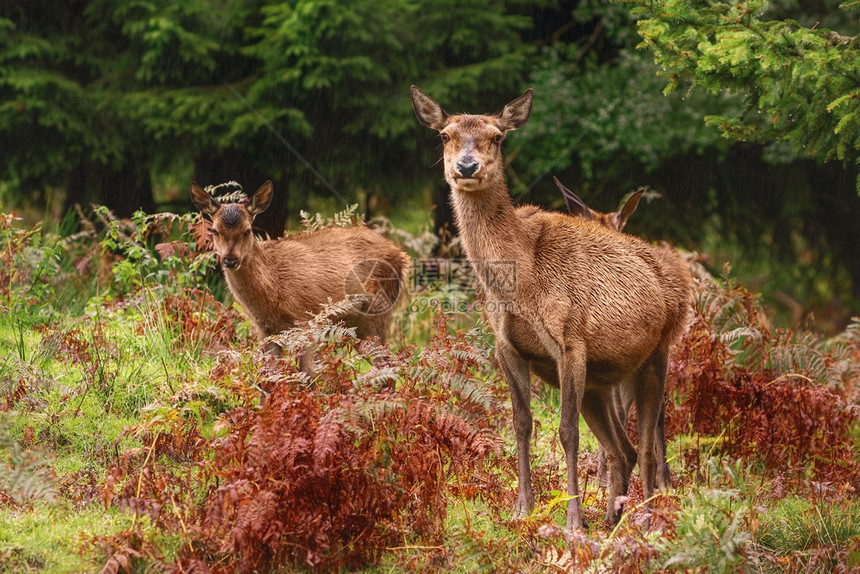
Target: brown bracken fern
{"type": "Point", "coordinates": [771, 396]}
{"type": "Point", "coordinates": [328, 473]}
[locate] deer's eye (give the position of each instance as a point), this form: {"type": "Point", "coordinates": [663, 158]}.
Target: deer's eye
{"type": "Point", "coordinates": [214, 233]}
{"type": "Point", "coordinates": [445, 138]}
{"type": "Point", "coordinates": [498, 138]}
{"type": "Point", "coordinates": [247, 232]}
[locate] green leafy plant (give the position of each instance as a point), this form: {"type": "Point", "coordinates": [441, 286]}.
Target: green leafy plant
{"type": "Point", "coordinates": [345, 218]}
{"type": "Point", "coordinates": [711, 530]}
{"type": "Point", "coordinates": [799, 81]}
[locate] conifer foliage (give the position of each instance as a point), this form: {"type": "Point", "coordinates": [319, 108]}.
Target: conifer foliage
{"type": "Point", "coordinates": [801, 82]}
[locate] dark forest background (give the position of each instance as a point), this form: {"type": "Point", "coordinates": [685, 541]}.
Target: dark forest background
{"type": "Point", "coordinates": [124, 102]}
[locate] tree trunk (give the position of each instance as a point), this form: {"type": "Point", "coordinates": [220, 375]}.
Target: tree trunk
{"type": "Point", "coordinates": [76, 187]}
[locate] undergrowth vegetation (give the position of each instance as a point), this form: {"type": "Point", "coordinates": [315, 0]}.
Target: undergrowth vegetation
{"type": "Point", "coordinates": [142, 429]}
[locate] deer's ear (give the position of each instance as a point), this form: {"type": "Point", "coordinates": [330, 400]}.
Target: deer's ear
{"type": "Point", "coordinates": [428, 111]}
{"type": "Point", "coordinates": [575, 205]}
{"type": "Point", "coordinates": [620, 217]}
{"type": "Point", "coordinates": [204, 202]}
{"type": "Point", "coordinates": [261, 199]}
{"type": "Point", "coordinates": [516, 114]}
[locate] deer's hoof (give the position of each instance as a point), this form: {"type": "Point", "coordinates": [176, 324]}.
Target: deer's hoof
{"type": "Point", "coordinates": [664, 478]}
{"type": "Point", "coordinates": [574, 524]}
{"type": "Point", "coordinates": [575, 516]}
{"type": "Point", "coordinates": [523, 508]}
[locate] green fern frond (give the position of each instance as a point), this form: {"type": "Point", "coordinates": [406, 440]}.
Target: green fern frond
{"type": "Point", "coordinates": [468, 390]}
{"type": "Point", "coordinates": [739, 334]}
{"type": "Point", "coordinates": [423, 374]}
{"type": "Point", "coordinates": [381, 377]}
{"type": "Point", "coordinates": [345, 218]}
{"type": "Point", "coordinates": [234, 196]}
{"type": "Point", "coordinates": [24, 474]}
{"type": "Point", "coordinates": [375, 408]}
{"type": "Point", "coordinates": [723, 313]}
{"type": "Point", "coordinates": [468, 356]}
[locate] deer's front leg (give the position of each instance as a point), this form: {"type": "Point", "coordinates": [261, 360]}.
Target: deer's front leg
{"type": "Point", "coordinates": [517, 375]}
{"type": "Point", "coordinates": [572, 376]}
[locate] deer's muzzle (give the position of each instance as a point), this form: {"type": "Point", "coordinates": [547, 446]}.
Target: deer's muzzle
{"type": "Point", "coordinates": [466, 167]}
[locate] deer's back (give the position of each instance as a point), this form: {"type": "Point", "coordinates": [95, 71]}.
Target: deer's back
{"type": "Point", "coordinates": [298, 275]}
{"type": "Point", "coordinates": [616, 294]}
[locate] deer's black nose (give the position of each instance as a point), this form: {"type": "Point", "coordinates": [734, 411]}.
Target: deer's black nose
{"type": "Point", "coordinates": [230, 262]}
{"type": "Point", "coordinates": [467, 167]}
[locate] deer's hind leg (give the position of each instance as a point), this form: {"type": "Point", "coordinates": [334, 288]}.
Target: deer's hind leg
{"type": "Point", "coordinates": [649, 408]}
{"type": "Point", "coordinates": [601, 414]}
{"type": "Point", "coordinates": [621, 408]}
{"type": "Point", "coordinates": [664, 477]}
{"type": "Point", "coordinates": [372, 327]}
{"type": "Point", "coordinates": [625, 397]}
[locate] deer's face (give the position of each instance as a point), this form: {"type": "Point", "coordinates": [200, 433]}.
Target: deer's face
{"type": "Point", "coordinates": [232, 234]}
{"type": "Point", "coordinates": [231, 222]}
{"type": "Point", "coordinates": [471, 144]}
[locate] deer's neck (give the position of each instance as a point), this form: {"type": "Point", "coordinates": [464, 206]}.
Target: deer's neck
{"type": "Point", "coordinates": [495, 239]}
{"type": "Point", "coordinates": [252, 283]}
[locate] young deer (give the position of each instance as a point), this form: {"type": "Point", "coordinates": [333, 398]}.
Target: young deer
{"type": "Point", "coordinates": [624, 394]}
{"type": "Point", "coordinates": [591, 306]}
{"type": "Point", "coordinates": [285, 281]}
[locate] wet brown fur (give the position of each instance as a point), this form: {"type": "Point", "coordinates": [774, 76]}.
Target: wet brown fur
{"type": "Point", "coordinates": [624, 394]}
{"type": "Point", "coordinates": [591, 306]}
{"type": "Point", "coordinates": [280, 283]}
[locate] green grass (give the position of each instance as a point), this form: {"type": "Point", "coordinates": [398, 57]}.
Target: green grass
{"type": "Point", "coordinates": [48, 538]}
{"type": "Point", "coordinates": [799, 525]}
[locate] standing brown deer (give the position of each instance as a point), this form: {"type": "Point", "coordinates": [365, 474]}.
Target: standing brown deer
{"type": "Point", "coordinates": [591, 306]}
{"type": "Point", "coordinates": [624, 394]}
{"type": "Point", "coordinates": [282, 282]}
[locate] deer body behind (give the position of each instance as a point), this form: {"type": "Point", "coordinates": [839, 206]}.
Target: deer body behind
{"type": "Point", "coordinates": [286, 281]}
{"type": "Point", "coordinates": [624, 394]}
{"type": "Point", "coordinates": [282, 282]}
{"type": "Point", "coordinates": [591, 307]}
{"type": "Point", "coordinates": [583, 266]}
